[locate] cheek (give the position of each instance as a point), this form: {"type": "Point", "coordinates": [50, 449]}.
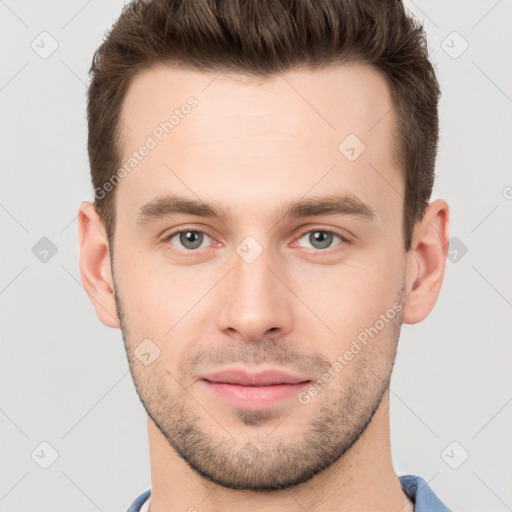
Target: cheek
{"type": "Point", "coordinates": [350, 296]}
{"type": "Point", "coordinates": [158, 300]}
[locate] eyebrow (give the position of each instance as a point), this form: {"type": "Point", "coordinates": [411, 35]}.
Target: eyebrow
{"type": "Point", "coordinates": [169, 205]}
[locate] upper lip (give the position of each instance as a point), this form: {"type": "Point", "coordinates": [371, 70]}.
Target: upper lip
{"type": "Point", "coordinates": [263, 378]}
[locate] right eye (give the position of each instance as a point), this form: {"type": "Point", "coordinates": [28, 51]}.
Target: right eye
{"type": "Point", "coordinates": [189, 239]}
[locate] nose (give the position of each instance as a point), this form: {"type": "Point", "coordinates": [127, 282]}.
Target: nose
{"type": "Point", "coordinates": [257, 302]}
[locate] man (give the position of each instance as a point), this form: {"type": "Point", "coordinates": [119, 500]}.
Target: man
{"type": "Point", "coordinates": [260, 231]}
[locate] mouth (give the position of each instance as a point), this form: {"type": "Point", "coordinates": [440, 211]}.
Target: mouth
{"type": "Point", "coordinates": [254, 391]}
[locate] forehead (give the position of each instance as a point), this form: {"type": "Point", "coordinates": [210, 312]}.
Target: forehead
{"type": "Point", "coordinates": [244, 135]}
{"type": "Point", "coordinates": [336, 98]}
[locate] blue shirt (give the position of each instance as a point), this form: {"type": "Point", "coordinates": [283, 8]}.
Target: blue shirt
{"type": "Point", "coordinates": [414, 486]}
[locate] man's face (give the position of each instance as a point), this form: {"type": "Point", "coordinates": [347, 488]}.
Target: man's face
{"type": "Point", "coordinates": [254, 291]}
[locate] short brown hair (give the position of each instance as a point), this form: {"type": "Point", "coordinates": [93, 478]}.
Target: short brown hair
{"type": "Point", "coordinates": [264, 38]}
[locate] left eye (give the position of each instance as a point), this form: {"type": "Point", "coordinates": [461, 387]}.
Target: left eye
{"type": "Point", "coordinates": [189, 239]}
{"type": "Point", "coordinates": [320, 239]}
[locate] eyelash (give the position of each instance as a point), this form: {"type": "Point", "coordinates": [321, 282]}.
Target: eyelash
{"type": "Point", "coordinates": [193, 252]}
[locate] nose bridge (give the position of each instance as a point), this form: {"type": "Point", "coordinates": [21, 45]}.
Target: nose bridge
{"type": "Point", "coordinates": [256, 298]}
{"type": "Point", "coordinates": [252, 277]}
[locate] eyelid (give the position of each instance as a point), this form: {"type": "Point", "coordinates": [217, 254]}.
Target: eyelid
{"type": "Point", "coordinates": [182, 229]}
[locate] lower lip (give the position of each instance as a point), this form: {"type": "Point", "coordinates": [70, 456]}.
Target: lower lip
{"type": "Point", "coordinates": [255, 397]}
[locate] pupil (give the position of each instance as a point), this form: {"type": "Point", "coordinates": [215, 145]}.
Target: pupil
{"type": "Point", "coordinates": [321, 239]}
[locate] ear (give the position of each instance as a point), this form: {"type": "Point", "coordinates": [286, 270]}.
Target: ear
{"type": "Point", "coordinates": [426, 262]}
{"type": "Point", "coordinates": [95, 264]}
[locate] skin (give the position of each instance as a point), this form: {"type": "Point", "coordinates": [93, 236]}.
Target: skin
{"type": "Point", "coordinates": [253, 147]}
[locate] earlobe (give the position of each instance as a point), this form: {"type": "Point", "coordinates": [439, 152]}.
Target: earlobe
{"type": "Point", "coordinates": [95, 264]}
{"type": "Point", "coordinates": [427, 262]}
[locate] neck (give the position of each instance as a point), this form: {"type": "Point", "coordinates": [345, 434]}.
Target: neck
{"type": "Point", "coordinates": [363, 480]}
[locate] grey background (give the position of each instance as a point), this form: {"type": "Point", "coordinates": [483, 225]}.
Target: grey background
{"type": "Point", "coordinates": [64, 376]}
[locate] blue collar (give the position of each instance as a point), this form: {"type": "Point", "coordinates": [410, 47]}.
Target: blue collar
{"type": "Point", "coordinates": [421, 494]}
{"type": "Point", "coordinates": [414, 486]}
